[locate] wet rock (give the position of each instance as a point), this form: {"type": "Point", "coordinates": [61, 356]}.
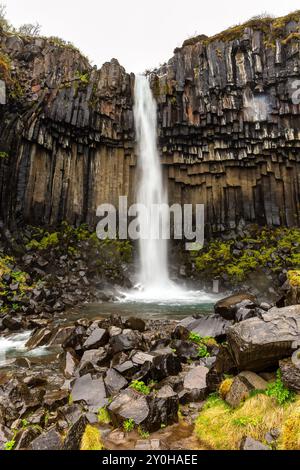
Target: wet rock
{"type": "Point", "coordinates": [251, 444]}
{"type": "Point", "coordinates": [37, 417]}
{"type": "Point", "coordinates": [141, 358]}
{"type": "Point", "coordinates": [223, 364]}
{"type": "Point", "coordinates": [134, 323]}
{"type": "Point", "coordinates": [185, 350]}
{"type": "Point", "coordinates": [92, 360]}
{"type": "Point", "coordinates": [49, 440]}
{"type": "Point", "coordinates": [5, 436]}
{"type": "Point", "coordinates": [244, 313]}
{"type": "Point", "coordinates": [99, 337]}
{"type": "Point", "coordinates": [129, 405]}
{"type": "Point", "coordinates": [25, 437]}
{"type": "Point", "coordinates": [128, 369]}
{"type": "Point", "coordinates": [12, 324]}
{"type": "Point", "coordinates": [164, 364]}
{"type": "Point", "coordinates": [60, 335]}
{"type": "Point", "coordinates": [126, 341]}
{"type": "Point", "coordinates": [259, 343]}
{"type": "Point", "coordinates": [90, 391]}
{"type": "Point", "coordinates": [241, 387]}
{"type": "Point", "coordinates": [114, 331]}
{"type": "Point", "coordinates": [74, 436]}
{"type": "Point", "coordinates": [39, 338]}
{"type": "Point", "coordinates": [163, 409]}
{"type": "Point", "coordinates": [75, 339]}
{"type": "Point", "coordinates": [114, 382]}
{"type": "Point", "coordinates": [34, 380]}
{"type": "Point", "coordinates": [194, 385]}
{"type": "Point", "coordinates": [70, 364]}
{"type": "Point", "coordinates": [55, 399]}
{"type": "Point", "coordinates": [228, 307]}
{"type": "Point", "coordinates": [212, 325]}
{"type": "Point", "coordinates": [290, 374]}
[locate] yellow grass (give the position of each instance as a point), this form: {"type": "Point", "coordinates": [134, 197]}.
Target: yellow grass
{"type": "Point", "coordinates": [91, 440]}
{"type": "Point", "coordinates": [221, 427]}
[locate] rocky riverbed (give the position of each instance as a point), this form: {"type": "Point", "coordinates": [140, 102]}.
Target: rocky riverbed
{"type": "Point", "coordinates": [120, 383]}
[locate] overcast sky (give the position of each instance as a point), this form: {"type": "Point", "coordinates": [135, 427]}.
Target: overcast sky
{"type": "Point", "coordinates": [141, 34]}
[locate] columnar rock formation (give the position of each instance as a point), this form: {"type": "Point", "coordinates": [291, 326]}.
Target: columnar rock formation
{"type": "Point", "coordinates": [229, 130]}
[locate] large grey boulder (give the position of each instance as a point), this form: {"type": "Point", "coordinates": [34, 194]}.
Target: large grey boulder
{"type": "Point", "coordinates": [259, 343]}
{"type": "Point", "coordinates": [290, 374]}
{"type": "Point", "coordinates": [90, 391]}
{"type": "Point", "coordinates": [209, 325]}
{"type": "Point", "coordinates": [228, 307]}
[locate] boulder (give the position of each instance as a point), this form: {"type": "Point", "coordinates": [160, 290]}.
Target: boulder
{"type": "Point", "coordinates": [194, 385]}
{"type": "Point", "coordinates": [90, 391]}
{"type": "Point", "coordinates": [128, 369]}
{"type": "Point", "coordinates": [49, 440]}
{"type": "Point", "coordinates": [248, 443]}
{"type": "Point", "coordinates": [185, 350]}
{"type": "Point", "coordinates": [129, 405]}
{"type": "Point", "coordinates": [163, 409]}
{"type": "Point", "coordinates": [290, 374]}
{"type": "Point", "coordinates": [92, 360]}
{"type": "Point", "coordinates": [39, 338]}
{"type": "Point", "coordinates": [99, 337]}
{"type": "Point", "coordinates": [74, 436]}
{"type": "Point", "coordinates": [241, 387]}
{"type": "Point", "coordinates": [114, 382]}
{"type": "Point", "coordinates": [55, 399]}
{"type": "Point", "coordinates": [223, 364]}
{"type": "Point", "coordinates": [70, 364]}
{"type": "Point", "coordinates": [12, 324]}
{"type": "Point", "coordinates": [228, 307]}
{"type": "Point", "coordinates": [211, 325]}
{"type": "Point", "coordinates": [126, 341]}
{"type": "Point", "coordinates": [25, 436]}
{"type": "Point", "coordinates": [134, 323]}
{"type": "Point", "coordinates": [258, 343]}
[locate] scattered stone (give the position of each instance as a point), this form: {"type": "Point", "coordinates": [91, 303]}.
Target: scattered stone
{"type": "Point", "coordinates": [251, 444]}
{"type": "Point", "coordinates": [241, 387]}
{"type": "Point", "coordinates": [150, 444]}
{"type": "Point", "coordinates": [290, 374]}
{"type": "Point", "coordinates": [74, 436]}
{"type": "Point", "coordinates": [129, 405]}
{"type": "Point", "coordinates": [70, 364]}
{"type": "Point", "coordinates": [92, 392]}
{"type": "Point", "coordinates": [25, 437]}
{"type": "Point", "coordinates": [163, 409]}
{"type": "Point", "coordinates": [39, 338]}
{"type": "Point", "coordinates": [228, 307]}
{"type": "Point", "coordinates": [137, 324]}
{"type": "Point", "coordinates": [126, 341]}
{"type": "Point", "coordinates": [194, 385]}
{"type": "Point", "coordinates": [114, 382]}
{"type": "Point", "coordinates": [99, 337]}
{"type": "Point", "coordinates": [49, 440]}
{"type": "Point", "coordinates": [55, 399]}
{"type": "Point", "coordinates": [12, 324]}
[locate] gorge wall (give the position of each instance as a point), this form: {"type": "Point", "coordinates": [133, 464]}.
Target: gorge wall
{"type": "Point", "coordinates": [229, 131]}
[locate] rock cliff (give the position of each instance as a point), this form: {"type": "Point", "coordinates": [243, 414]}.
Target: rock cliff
{"type": "Point", "coordinates": [229, 130]}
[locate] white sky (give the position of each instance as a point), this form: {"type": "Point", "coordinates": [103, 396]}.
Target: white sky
{"type": "Point", "coordinates": [139, 33]}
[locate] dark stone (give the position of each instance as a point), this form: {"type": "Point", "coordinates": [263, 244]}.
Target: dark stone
{"type": "Point", "coordinates": [74, 436]}
{"type": "Point", "coordinates": [39, 338]}
{"type": "Point", "coordinates": [99, 337]}
{"type": "Point", "coordinates": [70, 364]}
{"type": "Point", "coordinates": [92, 360]}
{"type": "Point", "coordinates": [128, 369]}
{"type": "Point", "coordinates": [194, 385]}
{"type": "Point", "coordinates": [134, 323]}
{"type": "Point", "coordinates": [114, 382]}
{"type": "Point", "coordinates": [258, 343]}
{"type": "Point", "coordinates": [163, 409]}
{"type": "Point", "coordinates": [185, 349]}
{"type": "Point", "coordinates": [49, 440]}
{"type": "Point", "coordinates": [213, 326]}
{"type": "Point", "coordinates": [55, 399]}
{"type": "Point", "coordinates": [129, 405]}
{"type": "Point", "coordinates": [12, 324]}
{"type": "Point", "coordinates": [224, 364]}
{"type": "Point", "coordinates": [90, 391]}
{"type": "Point", "coordinates": [25, 437]}
{"type": "Point", "coordinates": [227, 307]}
{"type": "Point", "coordinates": [75, 339]}
{"type": "Point", "coordinates": [290, 374]}
{"type": "Point", "coordinates": [251, 444]}
{"type": "Point", "coordinates": [128, 340]}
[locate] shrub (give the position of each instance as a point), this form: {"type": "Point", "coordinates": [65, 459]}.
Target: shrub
{"type": "Point", "coordinates": [140, 387]}
{"type": "Point", "coordinates": [278, 390]}
{"type": "Point", "coordinates": [103, 416]}
{"type": "Point", "coordinates": [129, 425]}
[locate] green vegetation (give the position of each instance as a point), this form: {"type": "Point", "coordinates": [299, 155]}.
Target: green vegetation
{"type": "Point", "coordinates": [82, 77]}
{"type": "Point", "coordinates": [140, 387]}
{"type": "Point", "coordinates": [91, 439]}
{"type": "Point", "coordinates": [265, 248]}
{"type": "Point", "coordinates": [10, 445]}
{"type": "Point", "coordinates": [273, 28]}
{"type": "Point", "coordinates": [203, 343]}
{"type": "Point", "coordinates": [103, 416]}
{"type": "Point", "coordinates": [128, 425]}
{"type": "Point", "coordinates": [202, 351]}
{"type": "Point", "coordinates": [219, 426]}
{"type": "Point", "coordinates": [278, 390]}
{"type": "Point", "coordinates": [142, 433]}
{"type": "Point", "coordinates": [294, 278]}
{"type": "Point", "coordinates": [4, 155]}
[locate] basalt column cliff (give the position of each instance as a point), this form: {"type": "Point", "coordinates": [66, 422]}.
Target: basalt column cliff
{"type": "Point", "coordinates": [229, 128]}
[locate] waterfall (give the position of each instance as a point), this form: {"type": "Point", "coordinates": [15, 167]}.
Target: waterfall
{"type": "Point", "coordinates": [151, 193]}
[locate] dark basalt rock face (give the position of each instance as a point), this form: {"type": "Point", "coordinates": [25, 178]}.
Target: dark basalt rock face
{"type": "Point", "coordinates": [228, 128]}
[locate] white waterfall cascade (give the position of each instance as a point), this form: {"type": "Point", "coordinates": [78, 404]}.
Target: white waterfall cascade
{"type": "Point", "coordinates": [153, 252]}
{"type": "Point", "coordinates": [155, 284]}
